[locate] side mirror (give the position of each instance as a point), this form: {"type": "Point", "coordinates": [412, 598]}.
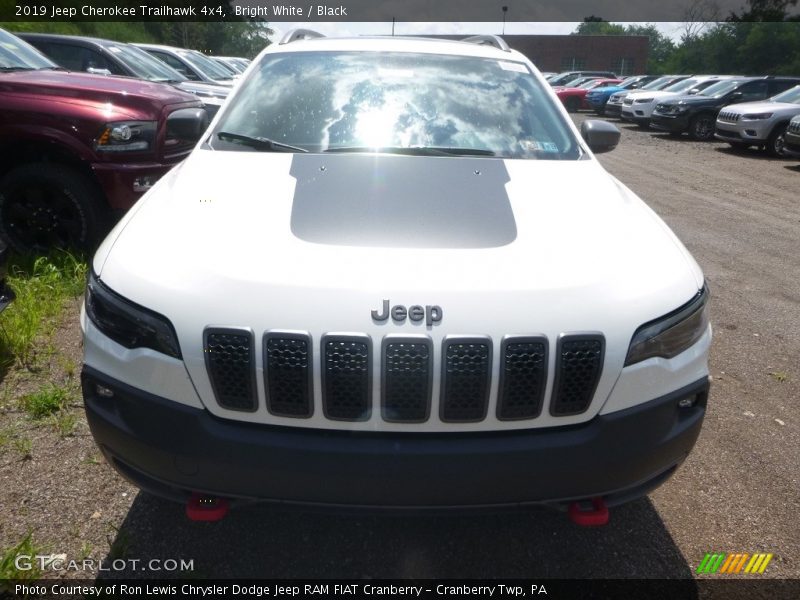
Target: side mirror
{"type": "Point", "coordinates": [96, 71]}
{"type": "Point", "coordinates": [601, 136]}
{"type": "Point", "coordinates": [187, 124]}
{"type": "Point", "coordinates": [736, 96]}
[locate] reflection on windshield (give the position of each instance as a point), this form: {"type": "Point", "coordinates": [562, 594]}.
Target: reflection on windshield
{"type": "Point", "coordinates": [144, 65]}
{"type": "Point", "coordinates": [323, 101]}
{"type": "Point", "coordinates": [17, 54]}
{"type": "Point", "coordinates": [719, 89]}
{"type": "Point", "coordinates": [791, 96]}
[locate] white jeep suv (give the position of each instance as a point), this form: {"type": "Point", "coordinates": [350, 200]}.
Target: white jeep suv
{"type": "Point", "coordinates": [367, 286]}
{"type": "Point", "coordinates": [759, 123]}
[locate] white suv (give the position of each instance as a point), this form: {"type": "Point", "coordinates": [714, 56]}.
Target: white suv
{"type": "Point", "coordinates": [638, 106]}
{"type": "Point", "coordinates": [367, 286]}
{"type": "Point", "coordinates": [759, 123]}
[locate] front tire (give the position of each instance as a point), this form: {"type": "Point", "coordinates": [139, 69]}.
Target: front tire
{"type": "Point", "coordinates": [701, 127]}
{"type": "Point", "coordinates": [776, 143]}
{"type": "Point", "coordinates": [45, 206]}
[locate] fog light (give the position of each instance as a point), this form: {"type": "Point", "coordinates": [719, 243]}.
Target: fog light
{"type": "Point", "coordinates": [750, 132]}
{"type": "Point", "coordinates": [142, 184]}
{"type": "Point", "coordinates": [687, 402]}
{"type": "Point", "coordinates": [103, 391]}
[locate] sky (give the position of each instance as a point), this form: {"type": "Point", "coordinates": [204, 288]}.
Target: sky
{"type": "Point", "coordinates": [672, 30]}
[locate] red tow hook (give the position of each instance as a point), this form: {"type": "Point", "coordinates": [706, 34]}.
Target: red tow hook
{"type": "Point", "coordinates": [206, 508]}
{"type": "Point", "coordinates": [596, 516]}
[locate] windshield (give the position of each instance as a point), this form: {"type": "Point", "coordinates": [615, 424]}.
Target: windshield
{"type": "Point", "coordinates": [791, 96]}
{"type": "Point", "coordinates": [658, 84]}
{"type": "Point", "coordinates": [395, 102]}
{"type": "Point", "coordinates": [681, 86]}
{"type": "Point", "coordinates": [205, 65]}
{"type": "Point", "coordinates": [143, 65]}
{"type": "Point", "coordinates": [592, 83]}
{"type": "Point", "coordinates": [16, 54]}
{"type": "Point", "coordinates": [721, 88]}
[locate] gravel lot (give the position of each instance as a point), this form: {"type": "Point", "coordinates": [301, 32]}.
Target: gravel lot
{"type": "Point", "coordinates": [739, 491]}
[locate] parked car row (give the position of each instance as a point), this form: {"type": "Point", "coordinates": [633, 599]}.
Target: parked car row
{"type": "Point", "coordinates": [85, 133]}
{"type": "Point", "coordinates": [744, 111]}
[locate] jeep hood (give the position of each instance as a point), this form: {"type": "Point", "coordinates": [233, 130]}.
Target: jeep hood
{"type": "Point", "coordinates": [305, 230]}
{"type": "Point", "coordinates": [763, 106]}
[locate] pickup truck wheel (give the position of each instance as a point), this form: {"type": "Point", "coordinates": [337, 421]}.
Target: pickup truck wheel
{"type": "Point", "coordinates": [701, 127]}
{"type": "Point", "coordinates": [44, 206]}
{"type": "Point", "coordinates": [776, 142]}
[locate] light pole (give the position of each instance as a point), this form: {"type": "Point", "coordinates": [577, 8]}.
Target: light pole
{"type": "Point", "coordinates": [505, 10]}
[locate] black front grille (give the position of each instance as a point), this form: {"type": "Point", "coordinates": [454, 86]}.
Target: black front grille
{"type": "Point", "coordinates": [523, 376]}
{"type": "Point", "coordinates": [287, 374]}
{"type": "Point", "coordinates": [466, 375]}
{"type": "Point", "coordinates": [346, 381]}
{"type": "Point", "coordinates": [230, 363]}
{"type": "Point", "coordinates": [578, 369]}
{"type": "Point", "coordinates": [407, 370]}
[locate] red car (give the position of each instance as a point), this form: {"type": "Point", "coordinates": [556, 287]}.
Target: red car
{"type": "Point", "coordinates": [76, 149]}
{"type": "Point", "coordinates": [574, 98]}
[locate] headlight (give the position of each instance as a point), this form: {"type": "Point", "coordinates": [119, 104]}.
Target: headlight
{"type": "Point", "coordinates": [756, 116]}
{"type": "Point", "coordinates": [126, 136]}
{"type": "Point", "coordinates": [642, 100]}
{"type": "Point", "coordinates": [129, 324]}
{"type": "Point", "coordinates": [672, 334]}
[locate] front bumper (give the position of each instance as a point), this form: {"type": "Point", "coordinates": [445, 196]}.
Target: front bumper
{"type": "Point", "coordinates": [613, 110]}
{"type": "Point", "coordinates": [792, 143]}
{"type": "Point", "coordinates": [172, 450]}
{"type": "Point", "coordinates": [674, 123]}
{"type": "Point", "coordinates": [119, 180]}
{"type": "Point", "coordinates": [748, 132]}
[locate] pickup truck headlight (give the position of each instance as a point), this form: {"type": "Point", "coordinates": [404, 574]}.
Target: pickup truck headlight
{"type": "Point", "coordinates": [642, 100]}
{"type": "Point", "coordinates": [757, 116]}
{"type": "Point", "coordinates": [129, 324]}
{"type": "Point", "coordinates": [126, 136]}
{"type": "Point", "coordinates": [671, 334]}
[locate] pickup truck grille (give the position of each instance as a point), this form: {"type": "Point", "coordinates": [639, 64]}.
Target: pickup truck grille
{"type": "Point", "coordinates": [728, 116]}
{"type": "Point", "coordinates": [406, 367]}
{"type": "Point", "coordinates": [794, 126]}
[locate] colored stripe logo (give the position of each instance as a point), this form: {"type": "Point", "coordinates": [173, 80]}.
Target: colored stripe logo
{"type": "Point", "coordinates": [721, 562]}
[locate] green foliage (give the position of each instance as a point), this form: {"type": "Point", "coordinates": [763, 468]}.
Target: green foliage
{"type": "Point", "coordinates": [42, 285]}
{"type": "Point", "coordinates": [46, 401]}
{"type": "Point", "coordinates": [8, 568]}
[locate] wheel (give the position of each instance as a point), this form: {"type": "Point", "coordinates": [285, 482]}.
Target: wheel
{"type": "Point", "coordinates": [44, 206]}
{"type": "Point", "coordinates": [701, 127]}
{"type": "Point", "coordinates": [776, 142]}
{"type": "Point", "coordinates": [572, 104]}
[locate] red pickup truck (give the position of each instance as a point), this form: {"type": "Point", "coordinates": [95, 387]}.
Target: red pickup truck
{"type": "Point", "coordinates": [77, 149]}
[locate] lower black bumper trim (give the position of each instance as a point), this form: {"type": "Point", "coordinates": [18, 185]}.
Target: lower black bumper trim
{"type": "Point", "coordinates": [171, 449]}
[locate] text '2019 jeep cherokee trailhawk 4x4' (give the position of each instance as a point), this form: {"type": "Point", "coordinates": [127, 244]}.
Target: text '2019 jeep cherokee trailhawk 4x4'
{"type": "Point", "coordinates": [388, 300]}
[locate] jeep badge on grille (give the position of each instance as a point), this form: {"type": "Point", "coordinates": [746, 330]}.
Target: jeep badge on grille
{"type": "Point", "coordinates": [432, 313]}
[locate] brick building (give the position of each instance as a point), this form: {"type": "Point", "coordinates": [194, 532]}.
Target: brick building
{"type": "Point", "coordinates": [623, 54]}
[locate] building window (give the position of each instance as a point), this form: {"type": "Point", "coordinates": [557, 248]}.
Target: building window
{"type": "Point", "coordinates": [622, 66]}
{"type": "Point", "coordinates": [573, 64]}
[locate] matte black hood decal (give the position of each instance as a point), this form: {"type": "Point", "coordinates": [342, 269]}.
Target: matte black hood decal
{"type": "Point", "coordinates": [401, 201]}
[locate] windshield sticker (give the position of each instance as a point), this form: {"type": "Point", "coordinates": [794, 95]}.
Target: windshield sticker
{"type": "Point", "coordinates": [512, 66]}
{"type": "Point", "coordinates": [536, 146]}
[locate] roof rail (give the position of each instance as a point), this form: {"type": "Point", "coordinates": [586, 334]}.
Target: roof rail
{"type": "Point", "coordinates": [488, 40]}
{"type": "Point", "coordinates": [300, 34]}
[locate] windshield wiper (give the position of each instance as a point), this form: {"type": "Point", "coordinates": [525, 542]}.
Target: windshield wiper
{"type": "Point", "coordinates": [260, 143]}
{"type": "Point", "coordinates": [416, 150]}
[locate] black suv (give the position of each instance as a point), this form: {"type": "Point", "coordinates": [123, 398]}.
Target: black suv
{"type": "Point", "coordinates": [107, 57]}
{"type": "Point", "coordinates": [697, 114]}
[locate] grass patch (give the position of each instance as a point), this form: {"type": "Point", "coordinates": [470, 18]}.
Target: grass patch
{"type": "Point", "coordinates": [45, 402]}
{"type": "Point", "coordinates": [779, 376]}
{"type": "Point", "coordinates": [9, 570]}
{"type": "Point", "coordinates": [64, 423]}
{"type": "Point", "coordinates": [42, 284]}
{"type": "Point", "coordinates": [24, 447]}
